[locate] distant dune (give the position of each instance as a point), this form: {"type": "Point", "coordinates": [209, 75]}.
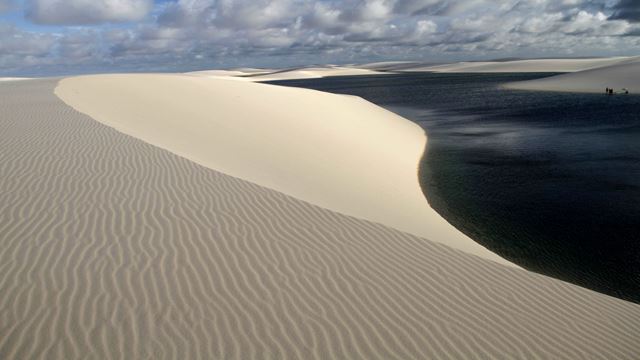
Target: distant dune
{"type": "Point", "coordinates": [390, 66]}
{"type": "Point", "coordinates": [380, 68]}
{"type": "Point", "coordinates": [318, 147]}
{"type": "Point", "coordinates": [534, 65]}
{"type": "Point", "coordinates": [239, 73]}
{"type": "Point", "coordinates": [625, 75]}
{"type": "Point", "coordinates": [313, 72]}
{"type": "Point", "coordinates": [112, 248]}
{"type": "Point", "coordinates": [218, 73]}
{"type": "Point", "coordinates": [12, 79]}
{"type": "Point", "coordinates": [287, 74]}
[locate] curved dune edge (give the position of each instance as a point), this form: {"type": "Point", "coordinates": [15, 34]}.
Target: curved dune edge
{"type": "Point", "coordinates": [339, 152]}
{"type": "Point", "coordinates": [623, 75]}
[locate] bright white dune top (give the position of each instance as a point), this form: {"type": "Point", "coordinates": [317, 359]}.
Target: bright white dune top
{"type": "Point", "coordinates": [12, 79]}
{"type": "Point", "coordinates": [339, 152]}
{"type": "Point", "coordinates": [625, 75]}
{"type": "Point", "coordinates": [287, 74]}
{"type": "Point", "coordinates": [534, 65]}
{"type": "Point", "coordinates": [314, 72]}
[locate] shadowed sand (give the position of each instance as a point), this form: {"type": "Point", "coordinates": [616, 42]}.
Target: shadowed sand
{"type": "Point", "coordinates": [113, 248]}
{"type": "Point", "coordinates": [339, 152]}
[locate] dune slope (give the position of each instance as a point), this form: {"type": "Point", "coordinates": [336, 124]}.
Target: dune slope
{"type": "Point", "coordinates": [113, 248]}
{"type": "Point", "coordinates": [619, 76]}
{"type": "Point", "coordinates": [339, 152]}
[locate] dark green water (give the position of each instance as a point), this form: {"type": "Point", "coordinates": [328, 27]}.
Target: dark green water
{"type": "Point", "coordinates": [550, 181]}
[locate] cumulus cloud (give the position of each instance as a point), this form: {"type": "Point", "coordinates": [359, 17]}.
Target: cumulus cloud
{"type": "Point", "coordinates": [84, 12]}
{"type": "Point", "coordinates": [187, 34]}
{"type": "Point", "coordinates": [585, 23]}
{"type": "Point", "coordinates": [23, 49]}
{"type": "Point", "coordinates": [627, 10]}
{"type": "Point", "coordinates": [18, 42]}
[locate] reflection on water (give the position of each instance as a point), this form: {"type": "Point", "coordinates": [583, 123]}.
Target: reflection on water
{"type": "Point", "coordinates": [548, 180]}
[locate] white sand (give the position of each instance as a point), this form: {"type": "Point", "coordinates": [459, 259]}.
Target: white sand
{"type": "Point", "coordinates": [111, 248]}
{"type": "Point", "coordinates": [247, 70]}
{"type": "Point", "coordinates": [314, 72]}
{"type": "Point", "coordinates": [388, 65]}
{"type": "Point", "coordinates": [218, 73]}
{"type": "Point", "coordinates": [625, 75]}
{"type": "Point", "coordinates": [258, 75]}
{"type": "Point", "coordinates": [534, 65]}
{"type": "Point", "coordinates": [339, 152]}
{"type": "Point", "coordinates": [13, 78]}
{"type": "Point", "coordinates": [231, 73]}
{"type": "Point", "coordinates": [378, 68]}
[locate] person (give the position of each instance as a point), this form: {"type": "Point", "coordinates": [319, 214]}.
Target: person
{"type": "Point", "coordinates": [606, 91]}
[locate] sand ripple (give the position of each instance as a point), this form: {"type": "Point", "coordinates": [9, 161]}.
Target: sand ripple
{"type": "Point", "coordinates": [112, 248]}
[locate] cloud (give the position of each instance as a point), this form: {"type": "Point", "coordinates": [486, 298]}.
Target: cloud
{"type": "Point", "coordinates": [585, 23]}
{"type": "Point", "coordinates": [86, 12]}
{"type": "Point", "coordinates": [24, 49]}
{"type": "Point", "coordinates": [176, 35]}
{"type": "Point", "coordinates": [627, 10]}
{"type": "Point", "coordinates": [420, 7]}
{"type": "Point", "coordinates": [5, 5]}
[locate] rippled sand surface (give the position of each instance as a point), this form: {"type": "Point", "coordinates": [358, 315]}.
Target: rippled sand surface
{"type": "Point", "coordinates": [113, 248]}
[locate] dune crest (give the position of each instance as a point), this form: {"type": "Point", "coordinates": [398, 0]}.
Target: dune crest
{"type": "Point", "coordinates": [339, 152]}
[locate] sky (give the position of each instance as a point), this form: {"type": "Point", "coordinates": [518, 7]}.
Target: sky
{"type": "Point", "coordinates": [56, 37]}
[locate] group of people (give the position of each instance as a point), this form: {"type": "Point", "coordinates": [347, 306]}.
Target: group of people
{"type": "Point", "coordinates": [609, 91]}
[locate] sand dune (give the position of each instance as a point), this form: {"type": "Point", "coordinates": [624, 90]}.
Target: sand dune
{"type": "Point", "coordinates": [378, 68]}
{"type": "Point", "coordinates": [534, 65]}
{"type": "Point", "coordinates": [319, 147]}
{"type": "Point", "coordinates": [258, 75]}
{"type": "Point", "coordinates": [314, 72]}
{"type": "Point", "coordinates": [389, 65]}
{"type": "Point", "coordinates": [114, 248]}
{"type": "Point", "coordinates": [248, 70]}
{"type": "Point", "coordinates": [218, 73]}
{"type": "Point", "coordinates": [12, 78]}
{"type": "Point", "coordinates": [232, 73]}
{"type": "Point", "coordinates": [621, 76]}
